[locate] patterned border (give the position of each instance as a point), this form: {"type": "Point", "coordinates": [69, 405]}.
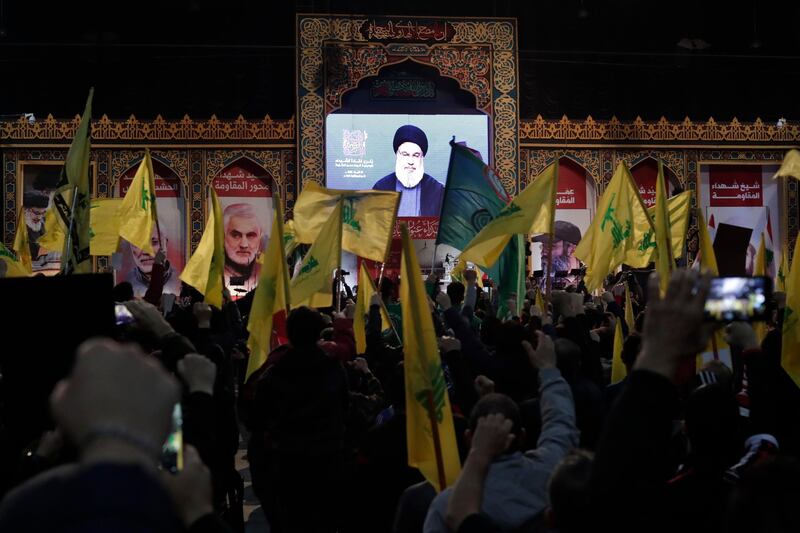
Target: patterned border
{"type": "Point", "coordinates": [661, 131]}
{"type": "Point", "coordinates": [530, 130]}
{"type": "Point", "coordinates": [481, 56]}
{"type": "Point", "coordinates": [159, 129]}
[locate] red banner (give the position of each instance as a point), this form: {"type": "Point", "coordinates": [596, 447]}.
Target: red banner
{"type": "Point", "coordinates": [645, 175]}
{"type": "Point", "coordinates": [166, 186]}
{"type": "Point", "coordinates": [571, 193]}
{"type": "Point", "coordinates": [735, 186]}
{"type": "Point", "coordinates": [241, 182]}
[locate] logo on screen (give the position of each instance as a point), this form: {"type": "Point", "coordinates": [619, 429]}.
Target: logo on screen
{"type": "Point", "coordinates": [354, 143]}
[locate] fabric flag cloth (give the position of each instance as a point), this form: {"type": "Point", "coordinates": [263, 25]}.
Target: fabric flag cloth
{"type": "Point", "coordinates": [71, 202]}
{"type": "Point", "coordinates": [539, 299]}
{"type": "Point", "coordinates": [104, 225]}
{"type": "Point", "coordinates": [629, 318]}
{"type": "Point", "coordinates": [790, 350]}
{"type": "Point", "coordinates": [457, 274]}
{"type": "Point", "coordinates": [783, 269]}
{"type": "Point", "coordinates": [760, 269]}
{"type": "Point", "coordinates": [271, 296]}
{"type": "Point", "coordinates": [790, 166]}
{"type": "Point", "coordinates": [430, 433]}
{"type": "Point", "coordinates": [612, 235]}
{"type": "Point", "coordinates": [366, 288]}
{"type": "Point", "coordinates": [531, 211]}
{"type": "Point", "coordinates": [368, 218]}
{"type": "Point", "coordinates": [21, 245]}
{"type": "Point", "coordinates": [289, 238]}
{"type": "Point", "coordinates": [10, 266]}
{"type": "Point", "coordinates": [473, 197]}
{"type": "Point", "coordinates": [206, 267]}
{"type": "Point", "coordinates": [138, 210]}
{"type": "Point", "coordinates": [664, 261]}
{"type": "Point", "coordinates": [679, 207]}
{"type": "Point", "coordinates": [769, 251]}
{"type": "Point", "coordinates": [53, 238]}
{"type": "Point", "coordinates": [618, 370]}
{"type": "Point", "coordinates": [313, 285]}
{"type": "Point", "coordinates": [708, 262]}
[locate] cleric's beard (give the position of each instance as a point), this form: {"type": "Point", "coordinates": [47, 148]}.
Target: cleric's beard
{"type": "Point", "coordinates": [409, 179]}
{"type": "Point", "coordinates": [34, 226]}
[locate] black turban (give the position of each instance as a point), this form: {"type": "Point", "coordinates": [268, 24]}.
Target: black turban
{"type": "Point", "coordinates": [34, 199]}
{"type": "Point", "coordinates": [410, 134]}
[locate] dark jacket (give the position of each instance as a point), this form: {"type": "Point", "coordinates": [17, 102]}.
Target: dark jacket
{"type": "Point", "coordinates": [431, 195]}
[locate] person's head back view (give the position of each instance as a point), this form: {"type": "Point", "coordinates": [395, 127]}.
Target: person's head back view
{"type": "Point", "coordinates": [570, 495]}
{"type": "Point", "coordinates": [495, 403]}
{"type": "Point", "coordinates": [303, 327]}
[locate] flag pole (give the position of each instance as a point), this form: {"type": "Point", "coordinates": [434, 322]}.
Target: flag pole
{"type": "Point", "coordinates": [437, 445]}
{"type": "Point", "coordinates": [380, 276]}
{"type": "Point", "coordinates": [68, 240]}
{"type": "Point", "coordinates": [714, 346]}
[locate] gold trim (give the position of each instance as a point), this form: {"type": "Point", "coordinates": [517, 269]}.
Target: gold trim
{"type": "Point", "coordinates": [662, 130]}
{"type": "Point", "coordinates": [159, 129]}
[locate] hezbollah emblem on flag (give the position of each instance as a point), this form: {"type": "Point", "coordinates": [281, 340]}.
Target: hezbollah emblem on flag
{"type": "Point", "coordinates": [349, 214]}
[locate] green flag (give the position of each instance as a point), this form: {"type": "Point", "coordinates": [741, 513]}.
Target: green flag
{"type": "Point", "coordinates": [473, 196]}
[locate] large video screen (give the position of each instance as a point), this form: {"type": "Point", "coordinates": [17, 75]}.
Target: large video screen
{"type": "Point", "coordinates": [405, 153]}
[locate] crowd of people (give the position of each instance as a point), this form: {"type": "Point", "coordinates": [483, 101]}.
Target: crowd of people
{"type": "Point", "coordinates": [547, 442]}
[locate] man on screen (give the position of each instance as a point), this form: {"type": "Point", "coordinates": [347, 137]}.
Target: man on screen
{"type": "Point", "coordinates": [242, 245]}
{"type": "Point", "coordinates": [421, 195]}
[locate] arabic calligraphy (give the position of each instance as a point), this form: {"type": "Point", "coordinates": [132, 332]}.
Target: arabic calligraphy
{"type": "Point", "coordinates": [736, 190]}
{"type": "Point", "coordinates": [388, 30]}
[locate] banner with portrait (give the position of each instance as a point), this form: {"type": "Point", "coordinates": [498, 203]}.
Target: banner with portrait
{"type": "Point", "coordinates": [245, 196]}
{"type": "Point", "coordinates": [741, 198]}
{"type": "Point", "coordinates": [135, 265]}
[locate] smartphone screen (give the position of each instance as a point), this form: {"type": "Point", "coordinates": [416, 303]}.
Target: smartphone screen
{"type": "Point", "coordinates": [122, 315]}
{"type": "Point", "coordinates": [738, 298]}
{"type": "Point", "coordinates": [172, 450]}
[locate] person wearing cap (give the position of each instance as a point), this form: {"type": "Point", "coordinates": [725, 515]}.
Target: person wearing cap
{"type": "Point", "coordinates": [421, 194]}
{"type": "Point", "coordinates": [566, 237]}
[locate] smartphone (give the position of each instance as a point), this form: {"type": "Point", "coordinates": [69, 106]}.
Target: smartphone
{"type": "Point", "coordinates": [122, 315]}
{"type": "Point", "coordinates": [172, 450]}
{"type": "Point", "coordinates": [738, 298]}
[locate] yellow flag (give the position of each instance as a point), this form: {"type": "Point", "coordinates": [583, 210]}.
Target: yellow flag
{"type": "Point", "coordinates": [664, 262]}
{"type": "Point", "coordinates": [52, 239]}
{"type": "Point", "coordinates": [271, 296]}
{"type": "Point", "coordinates": [790, 351]}
{"type": "Point", "coordinates": [313, 285]}
{"type": "Point", "coordinates": [790, 166]}
{"type": "Point", "coordinates": [10, 267]}
{"type": "Point", "coordinates": [540, 303]}
{"type": "Point", "coordinates": [366, 288]}
{"type": "Point", "coordinates": [21, 245]}
{"type": "Point", "coordinates": [708, 261]}
{"type": "Point", "coordinates": [206, 267]}
{"type": "Point", "coordinates": [71, 201]}
{"type": "Point", "coordinates": [531, 211]}
{"type": "Point", "coordinates": [105, 225]}
{"type": "Point", "coordinates": [457, 274]}
{"type": "Point", "coordinates": [289, 238]}
{"type": "Point", "coordinates": [430, 434]}
{"type": "Point", "coordinates": [760, 269]}
{"type": "Point", "coordinates": [368, 218]}
{"type": "Point", "coordinates": [629, 318]}
{"type": "Point", "coordinates": [613, 234]}
{"type": "Point", "coordinates": [783, 269]}
{"type": "Point", "coordinates": [679, 207]}
{"type": "Point", "coordinates": [618, 370]}
{"type": "Point", "coordinates": [138, 210]}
